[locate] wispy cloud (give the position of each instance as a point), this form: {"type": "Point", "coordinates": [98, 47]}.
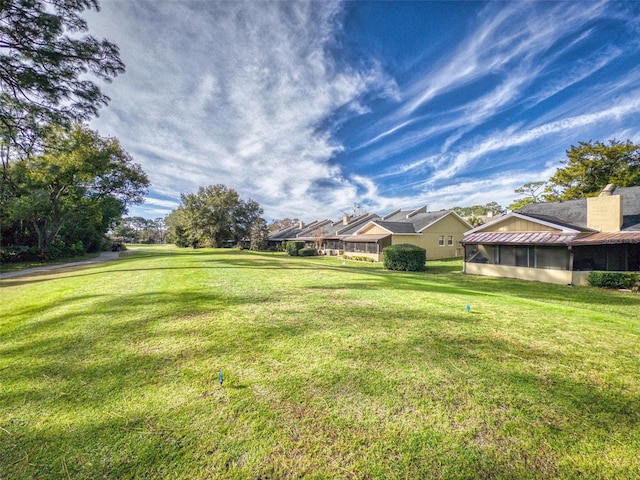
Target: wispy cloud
{"type": "Point", "coordinates": [244, 102]}
{"type": "Point", "coordinates": [449, 167]}
{"type": "Point", "coordinates": [509, 40]}
{"type": "Point", "coordinates": [253, 95]}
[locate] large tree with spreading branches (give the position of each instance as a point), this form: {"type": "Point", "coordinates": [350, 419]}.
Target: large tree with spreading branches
{"type": "Point", "coordinates": [75, 190]}
{"type": "Point", "coordinates": [47, 67]}
{"type": "Point", "coordinates": [588, 168]}
{"type": "Point", "coordinates": [214, 215]}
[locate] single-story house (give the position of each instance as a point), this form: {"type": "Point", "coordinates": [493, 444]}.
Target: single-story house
{"type": "Point", "coordinates": [438, 232]}
{"type": "Point", "coordinates": [290, 233]}
{"type": "Point", "coordinates": [560, 242]}
{"type": "Point", "coordinates": [327, 236]}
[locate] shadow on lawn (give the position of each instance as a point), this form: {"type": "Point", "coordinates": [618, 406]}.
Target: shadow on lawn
{"type": "Point", "coordinates": [514, 399]}
{"type": "Point", "coordinates": [123, 365]}
{"type": "Point", "coordinates": [89, 365]}
{"type": "Point", "coordinates": [443, 276]}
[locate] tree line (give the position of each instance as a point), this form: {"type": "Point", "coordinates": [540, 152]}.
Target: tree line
{"type": "Point", "coordinates": [139, 230]}
{"type": "Point", "coordinates": [62, 185]}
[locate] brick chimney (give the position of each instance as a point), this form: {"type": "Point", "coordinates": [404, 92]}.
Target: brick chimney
{"type": "Point", "coordinates": [604, 212]}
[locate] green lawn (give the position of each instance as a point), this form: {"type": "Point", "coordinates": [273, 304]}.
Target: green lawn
{"type": "Point", "coordinates": [332, 370]}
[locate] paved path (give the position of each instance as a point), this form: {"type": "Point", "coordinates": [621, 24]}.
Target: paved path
{"type": "Point", "coordinates": [104, 256]}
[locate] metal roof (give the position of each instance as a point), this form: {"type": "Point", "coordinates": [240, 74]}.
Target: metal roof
{"type": "Point", "coordinates": [550, 238]}
{"type": "Point", "coordinates": [519, 238]}
{"type": "Point", "coordinates": [604, 238]}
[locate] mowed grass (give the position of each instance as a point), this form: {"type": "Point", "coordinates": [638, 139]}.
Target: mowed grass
{"type": "Point", "coordinates": [331, 370]}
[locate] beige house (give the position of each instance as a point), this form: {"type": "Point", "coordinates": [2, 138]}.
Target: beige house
{"type": "Point", "coordinates": [439, 233]}
{"type": "Point", "coordinates": [560, 242]}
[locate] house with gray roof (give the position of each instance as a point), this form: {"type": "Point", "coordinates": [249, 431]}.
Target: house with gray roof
{"type": "Point", "coordinates": [325, 235]}
{"type": "Point", "coordinates": [328, 238]}
{"type": "Point", "coordinates": [437, 232]}
{"type": "Point", "coordinates": [560, 242]}
{"type": "Point", "coordinates": [290, 233]}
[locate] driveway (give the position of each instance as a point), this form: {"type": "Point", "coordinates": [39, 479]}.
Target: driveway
{"type": "Point", "coordinates": [104, 256]}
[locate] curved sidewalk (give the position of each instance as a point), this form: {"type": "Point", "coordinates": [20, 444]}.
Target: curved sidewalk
{"type": "Point", "coordinates": [104, 256]}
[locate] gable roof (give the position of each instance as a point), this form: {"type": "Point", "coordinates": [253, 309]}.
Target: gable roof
{"type": "Point", "coordinates": [286, 233]}
{"type": "Point", "coordinates": [411, 221]}
{"type": "Point", "coordinates": [396, 227]}
{"type": "Point", "coordinates": [539, 219]}
{"type": "Point", "coordinates": [571, 213]}
{"type": "Point", "coordinates": [355, 223]}
{"type": "Point", "coordinates": [574, 212]}
{"type": "Point", "coordinates": [570, 218]}
{"type": "Point", "coordinates": [315, 229]}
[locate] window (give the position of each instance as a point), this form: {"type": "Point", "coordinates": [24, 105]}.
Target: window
{"type": "Point", "coordinates": [552, 257]}
{"type": "Point", "coordinates": [531, 256]}
{"type": "Point", "coordinates": [525, 257]}
{"type": "Point", "coordinates": [507, 255]}
{"type": "Point", "coordinates": [441, 241]}
{"type": "Point", "coordinates": [361, 247]}
{"type": "Point", "coordinates": [450, 241]}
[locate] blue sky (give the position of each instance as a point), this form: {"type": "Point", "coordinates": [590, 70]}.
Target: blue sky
{"type": "Point", "coordinates": [312, 107]}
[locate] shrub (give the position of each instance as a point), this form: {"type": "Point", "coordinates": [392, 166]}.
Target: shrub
{"type": "Point", "coordinates": [56, 250]}
{"type": "Point", "coordinates": [77, 249]}
{"type": "Point", "coordinates": [404, 256]}
{"type": "Point", "coordinates": [613, 279]}
{"type": "Point", "coordinates": [20, 254]}
{"type": "Point", "coordinates": [307, 252]}
{"type": "Point", "coordinates": [360, 258]}
{"type": "Point", "coordinates": [292, 248]}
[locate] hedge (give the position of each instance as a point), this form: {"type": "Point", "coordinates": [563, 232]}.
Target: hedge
{"type": "Point", "coordinates": [307, 252]}
{"type": "Point", "coordinates": [404, 256]}
{"type": "Point", "coordinates": [54, 251]}
{"type": "Point", "coordinates": [359, 258]}
{"type": "Point", "coordinates": [613, 279]}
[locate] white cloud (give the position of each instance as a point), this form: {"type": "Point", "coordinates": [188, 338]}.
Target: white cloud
{"type": "Point", "coordinates": [452, 164]}
{"type": "Point", "coordinates": [248, 95]}
{"type": "Point", "coordinates": [233, 93]}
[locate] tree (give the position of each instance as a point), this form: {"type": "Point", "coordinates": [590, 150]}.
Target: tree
{"type": "Point", "coordinates": [176, 223]}
{"type": "Point", "coordinates": [589, 167]}
{"type": "Point", "coordinates": [282, 223]}
{"type": "Point", "coordinates": [139, 230]}
{"type": "Point", "coordinates": [533, 193]}
{"type": "Point", "coordinates": [259, 235]}
{"type": "Point", "coordinates": [245, 215]}
{"type": "Point", "coordinates": [123, 231]}
{"type": "Point", "coordinates": [491, 208]}
{"type": "Point", "coordinates": [79, 186]}
{"type": "Point", "coordinates": [44, 65]}
{"type": "Point", "coordinates": [475, 221]}
{"type": "Point", "coordinates": [319, 236]}
{"type": "Point", "coordinates": [211, 217]}
{"type": "Point", "coordinates": [160, 229]}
